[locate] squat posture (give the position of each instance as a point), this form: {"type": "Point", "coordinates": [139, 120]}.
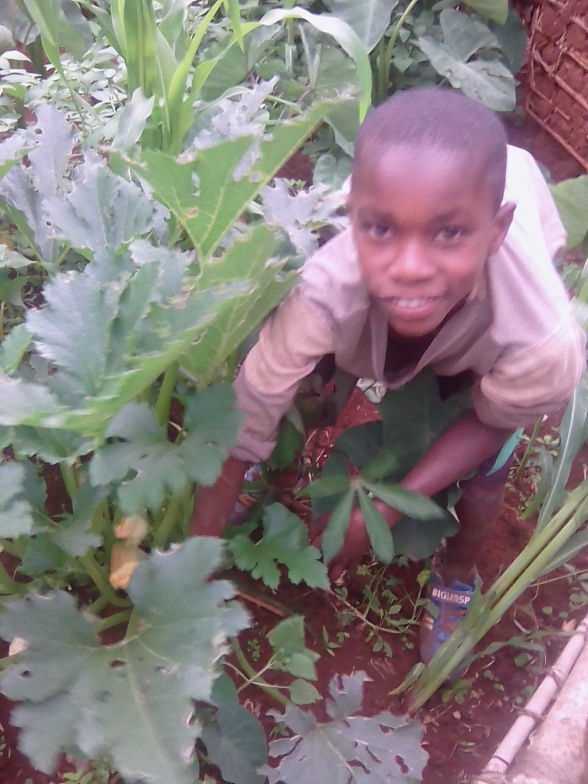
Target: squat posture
{"type": "Point", "coordinates": [447, 264]}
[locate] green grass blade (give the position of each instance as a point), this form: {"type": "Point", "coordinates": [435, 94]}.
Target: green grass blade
{"type": "Point", "coordinates": [571, 434]}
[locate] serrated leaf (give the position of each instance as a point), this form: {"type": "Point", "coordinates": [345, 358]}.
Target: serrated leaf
{"type": "Point", "coordinates": [303, 693]}
{"type": "Point", "coordinates": [487, 81]}
{"type": "Point", "coordinates": [73, 329]}
{"type": "Point", "coordinates": [349, 749]}
{"type": "Point", "coordinates": [236, 744]}
{"type": "Point", "coordinates": [147, 465]}
{"type": "Point", "coordinates": [102, 213]}
{"type": "Point", "coordinates": [132, 700]}
{"type": "Point", "coordinates": [285, 541]}
{"type": "Point", "coordinates": [41, 555]}
{"type": "Point", "coordinates": [51, 445]}
{"type": "Point", "coordinates": [378, 531]}
{"type": "Point", "coordinates": [15, 512]}
{"type": "Point", "coordinates": [14, 347]}
{"type": "Point", "coordinates": [209, 208]}
{"type": "Point", "coordinates": [26, 190]}
{"type": "Point", "coordinates": [369, 19]}
{"type": "Point", "coordinates": [12, 151]}
{"type": "Point", "coordinates": [50, 157]}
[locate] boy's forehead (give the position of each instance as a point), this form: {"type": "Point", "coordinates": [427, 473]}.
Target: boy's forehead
{"type": "Point", "coordinates": [442, 178]}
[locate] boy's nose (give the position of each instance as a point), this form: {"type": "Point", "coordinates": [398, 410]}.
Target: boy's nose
{"type": "Point", "coordinates": [411, 263]}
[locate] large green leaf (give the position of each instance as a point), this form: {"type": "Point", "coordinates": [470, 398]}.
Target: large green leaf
{"type": "Point", "coordinates": [285, 541]}
{"type": "Point", "coordinates": [102, 214]}
{"type": "Point", "coordinates": [497, 10]}
{"type": "Point", "coordinates": [571, 199]}
{"type": "Point", "coordinates": [208, 193]}
{"type": "Point", "coordinates": [348, 749]}
{"type": "Point", "coordinates": [368, 18]}
{"type": "Point", "coordinates": [15, 510]}
{"type": "Point", "coordinates": [56, 30]}
{"type": "Point", "coordinates": [26, 190]}
{"type": "Point", "coordinates": [132, 700]}
{"type": "Point", "coordinates": [145, 465]}
{"type": "Point", "coordinates": [236, 744]}
{"type": "Point", "coordinates": [253, 258]}
{"type": "Point", "coordinates": [12, 151]}
{"type": "Point", "coordinates": [487, 81]}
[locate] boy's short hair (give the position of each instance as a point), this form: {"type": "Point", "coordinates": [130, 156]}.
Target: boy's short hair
{"type": "Point", "coordinates": [437, 118]}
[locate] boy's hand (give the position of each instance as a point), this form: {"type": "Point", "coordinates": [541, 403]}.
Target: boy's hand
{"type": "Point", "coordinates": [356, 542]}
{"type": "Point", "coordinates": [214, 505]}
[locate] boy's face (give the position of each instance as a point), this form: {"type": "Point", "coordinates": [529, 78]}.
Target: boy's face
{"type": "Point", "coordinates": [424, 223]}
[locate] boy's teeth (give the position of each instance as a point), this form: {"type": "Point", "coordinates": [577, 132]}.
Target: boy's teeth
{"type": "Point", "coordinates": [412, 303]}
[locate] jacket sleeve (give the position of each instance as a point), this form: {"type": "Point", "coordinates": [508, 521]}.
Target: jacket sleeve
{"type": "Point", "coordinates": [293, 340]}
{"type": "Point", "coordinates": [526, 383]}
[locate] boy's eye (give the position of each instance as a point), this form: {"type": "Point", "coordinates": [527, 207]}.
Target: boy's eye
{"type": "Point", "coordinates": [377, 231]}
{"type": "Point", "coordinates": [451, 233]}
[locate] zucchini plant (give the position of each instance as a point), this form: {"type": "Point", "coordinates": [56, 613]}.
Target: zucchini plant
{"type": "Point", "coordinates": [149, 284]}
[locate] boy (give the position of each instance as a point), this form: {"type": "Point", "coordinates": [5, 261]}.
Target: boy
{"type": "Point", "coordinates": [442, 266]}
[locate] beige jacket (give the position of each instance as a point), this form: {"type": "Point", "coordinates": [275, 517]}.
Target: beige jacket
{"type": "Point", "coordinates": [518, 333]}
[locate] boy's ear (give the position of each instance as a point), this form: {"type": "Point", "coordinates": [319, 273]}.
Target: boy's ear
{"type": "Point", "coordinates": [502, 221]}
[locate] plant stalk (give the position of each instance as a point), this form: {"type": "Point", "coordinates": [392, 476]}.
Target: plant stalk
{"type": "Point", "coordinates": [163, 404]}
{"type": "Point", "coordinates": [384, 69]}
{"type": "Point", "coordinates": [466, 638]}
{"type": "Point", "coordinates": [114, 620]}
{"type": "Point", "coordinates": [94, 570]}
{"type": "Point", "coordinates": [172, 514]}
{"type": "Point", "coordinates": [69, 479]}
{"type": "Point", "coordinates": [271, 691]}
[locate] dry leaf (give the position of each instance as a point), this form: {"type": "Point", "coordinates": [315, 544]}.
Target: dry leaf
{"type": "Point", "coordinates": [124, 559]}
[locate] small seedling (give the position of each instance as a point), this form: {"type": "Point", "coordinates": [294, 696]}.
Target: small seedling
{"type": "Point", "coordinates": [254, 649]}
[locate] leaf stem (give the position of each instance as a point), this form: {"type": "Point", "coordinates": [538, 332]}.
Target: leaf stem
{"type": "Point", "coordinates": [11, 585]}
{"type": "Point", "coordinates": [95, 571]}
{"type": "Point", "coordinates": [384, 73]}
{"type": "Point", "coordinates": [271, 691]}
{"type": "Point", "coordinates": [169, 521]}
{"type": "Point", "coordinates": [165, 394]}
{"type": "Point", "coordinates": [69, 479]}
{"type": "Point", "coordinates": [113, 620]}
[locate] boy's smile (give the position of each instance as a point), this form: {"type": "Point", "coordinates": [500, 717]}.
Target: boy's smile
{"type": "Point", "coordinates": [424, 223]}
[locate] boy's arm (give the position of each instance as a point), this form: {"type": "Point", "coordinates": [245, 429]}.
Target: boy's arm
{"type": "Point", "coordinates": [214, 504]}
{"type": "Point", "coordinates": [290, 344]}
{"type": "Point", "coordinates": [458, 452]}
